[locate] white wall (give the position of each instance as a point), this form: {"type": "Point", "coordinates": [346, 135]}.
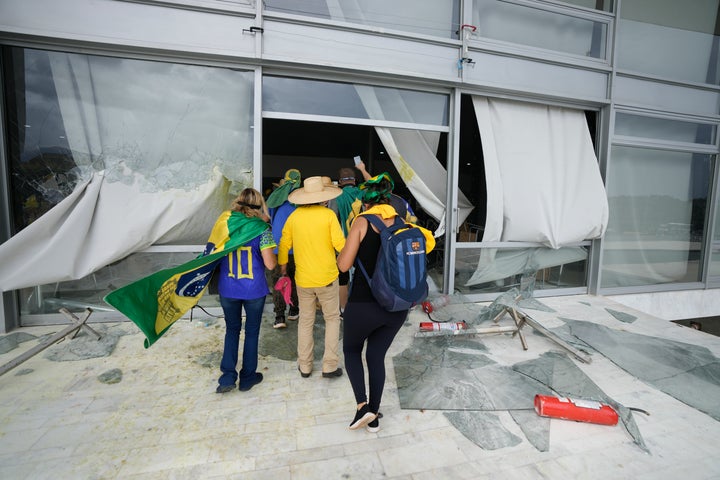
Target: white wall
{"type": "Point", "coordinates": [674, 305]}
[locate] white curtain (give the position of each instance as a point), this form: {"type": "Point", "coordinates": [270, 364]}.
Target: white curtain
{"type": "Point", "coordinates": [542, 174]}
{"type": "Point", "coordinates": [156, 145]}
{"type": "Point", "coordinates": [413, 153]}
{"type": "Point", "coordinates": [99, 223]}
{"type": "Point", "coordinates": [543, 185]}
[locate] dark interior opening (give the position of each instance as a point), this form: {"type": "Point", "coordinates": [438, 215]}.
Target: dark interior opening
{"type": "Point", "coordinates": [317, 148]}
{"type": "Point", "coordinates": [709, 325]}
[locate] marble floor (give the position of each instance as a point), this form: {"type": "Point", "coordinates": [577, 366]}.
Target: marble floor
{"type": "Point", "coordinates": [72, 411]}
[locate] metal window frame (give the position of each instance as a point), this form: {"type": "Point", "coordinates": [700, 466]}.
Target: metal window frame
{"type": "Point", "coordinates": [452, 226]}
{"type": "Point", "coordinates": [707, 242]}
{"type": "Point", "coordinates": [605, 18]}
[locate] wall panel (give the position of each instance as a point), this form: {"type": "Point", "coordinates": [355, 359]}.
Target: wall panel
{"type": "Point", "coordinates": [504, 72]}
{"type": "Point", "coordinates": [659, 96]}
{"type": "Point", "coordinates": [288, 42]}
{"type": "Point", "coordinates": [132, 24]}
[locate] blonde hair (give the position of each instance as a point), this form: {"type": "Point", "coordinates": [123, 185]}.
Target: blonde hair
{"type": "Point", "coordinates": [250, 203]}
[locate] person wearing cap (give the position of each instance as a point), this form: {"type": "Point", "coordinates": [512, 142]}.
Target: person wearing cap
{"type": "Point", "coordinates": [280, 210]}
{"type": "Point", "coordinates": [242, 286]}
{"type": "Point", "coordinates": [366, 324]}
{"type": "Point", "coordinates": [314, 234]}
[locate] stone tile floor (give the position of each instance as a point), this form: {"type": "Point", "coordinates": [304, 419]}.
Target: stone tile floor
{"type": "Point", "coordinates": [163, 419]}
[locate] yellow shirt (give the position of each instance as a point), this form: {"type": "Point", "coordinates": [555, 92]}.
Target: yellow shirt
{"type": "Point", "coordinates": [314, 234]}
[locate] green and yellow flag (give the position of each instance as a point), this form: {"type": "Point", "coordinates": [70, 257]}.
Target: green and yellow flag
{"type": "Point", "coordinates": [155, 302]}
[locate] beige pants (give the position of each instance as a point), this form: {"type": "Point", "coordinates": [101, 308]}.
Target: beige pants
{"type": "Point", "coordinates": [327, 297]}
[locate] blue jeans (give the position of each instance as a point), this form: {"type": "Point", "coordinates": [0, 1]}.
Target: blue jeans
{"type": "Point", "coordinates": [232, 308]}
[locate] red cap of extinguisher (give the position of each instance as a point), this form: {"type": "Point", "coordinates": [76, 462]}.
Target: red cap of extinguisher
{"type": "Point", "coordinates": [427, 307]}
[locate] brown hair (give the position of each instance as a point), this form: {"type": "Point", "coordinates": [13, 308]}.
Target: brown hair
{"type": "Point", "coordinates": [346, 176]}
{"type": "Point", "coordinates": [250, 203]}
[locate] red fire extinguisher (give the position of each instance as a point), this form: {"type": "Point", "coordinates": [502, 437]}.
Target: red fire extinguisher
{"type": "Point", "coordinates": [429, 306]}
{"type": "Point", "coordinates": [435, 326]}
{"type": "Point", "coordinates": [575, 409]}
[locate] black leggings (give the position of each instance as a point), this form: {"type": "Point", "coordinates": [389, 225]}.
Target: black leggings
{"type": "Point", "coordinates": [372, 323]}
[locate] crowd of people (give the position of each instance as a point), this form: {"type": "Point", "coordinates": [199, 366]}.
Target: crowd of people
{"type": "Point", "coordinates": [313, 233]}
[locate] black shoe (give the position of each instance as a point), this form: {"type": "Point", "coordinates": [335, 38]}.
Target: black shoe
{"type": "Point", "coordinates": [293, 314]}
{"type": "Point", "coordinates": [303, 374]}
{"type": "Point", "coordinates": [258, 379]}
{"type": "Point", "coordinates": [225, 388]}
{"type": "Point", "coordinates": [334, 374]}
{"type": "Point", "coordinates": [374, 426]}
{"type": "Point", "coordinates": [279, 322]}
{"type": "Point", "coordinates": [362, 418]}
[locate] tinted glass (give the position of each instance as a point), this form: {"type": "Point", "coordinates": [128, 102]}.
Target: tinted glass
{"type": "Point", "coordinates": [667, 38]}
{"type": "Point", "coordinates": [535, 27]}
{"type": "Point", "coordinates": [437, 18]}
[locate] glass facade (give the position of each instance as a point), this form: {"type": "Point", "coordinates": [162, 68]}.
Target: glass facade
{"type": "Point", "coordinates": [602, 5]}
{"type": "Point", "coordinates": [70, 115]}
{"type": "Point", "coordinates": [657, 202]}
{"type": "Point", "coordinates": [437, 18]}
{"type": "Point", "coordinates": [485, 270]}
{"type": "Point", "coordinates": [314, 97]}
{"type": "Point", "coordinates": [665, 129]}
{"type": "Point", "coordinates": [168, 125]}
{"type": "Point", "coordinates": [89, 291]}
{"type": "Point", "coordinates": [669, 39]}
{"type": "Point", "coordinates": [111, 128]}
{"type": "Point", "coordinates": [559, 31]}
{"type": "Point", "coordinates": [714, 268]}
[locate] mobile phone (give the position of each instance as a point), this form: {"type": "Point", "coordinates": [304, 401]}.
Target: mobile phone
{"type": "Point", "coordinates": [357, 160]}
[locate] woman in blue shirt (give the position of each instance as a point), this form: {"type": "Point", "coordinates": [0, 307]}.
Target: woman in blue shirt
{"type": "Point", "coordinates": [242, 284]}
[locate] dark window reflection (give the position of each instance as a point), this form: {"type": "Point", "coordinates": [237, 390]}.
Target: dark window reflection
{"type": "Point", "coordinates": [40, 160]}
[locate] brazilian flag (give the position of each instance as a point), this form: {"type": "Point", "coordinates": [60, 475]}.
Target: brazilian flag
{"type": "Point", "coordinates": [155, 302]}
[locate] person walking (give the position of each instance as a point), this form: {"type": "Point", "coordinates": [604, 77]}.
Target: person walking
{"type": "Point", "coordinates": [242, 285]}
{"type": "Point", "coordinates": [366, 324]}
{"type": "Point", "coordinates": [343, 207]}
{"type": "Point", "coordinates": [314, 234]}
{"type": "Point", "coordinates": [280, 210]}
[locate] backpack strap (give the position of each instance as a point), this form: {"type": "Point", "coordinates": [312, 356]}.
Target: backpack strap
{"type": "Point", "coordinates": [376, 222]}
{"type": "Point", "coordinates": [380, 225]}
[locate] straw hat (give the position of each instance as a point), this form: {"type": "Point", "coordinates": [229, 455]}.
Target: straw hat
{"type": "Point", "coordinates": [314, 190]}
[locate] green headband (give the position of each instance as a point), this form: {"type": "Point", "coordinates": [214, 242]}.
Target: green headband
{"type": "Point", "coordinates": [373, 189]}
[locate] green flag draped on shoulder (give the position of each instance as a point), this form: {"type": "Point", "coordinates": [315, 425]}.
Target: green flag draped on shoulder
{"type": "Point", "coordinates": [349, 205]}
{"type": "Point", "coordinates": [155, 302]}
